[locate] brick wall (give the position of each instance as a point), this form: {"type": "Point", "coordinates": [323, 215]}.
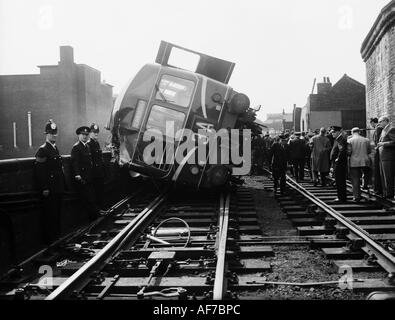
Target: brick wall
{"type": "Point", "coordinates": [380, 81]}
{"type": "Point", "coordinates": [70, 94]}
{"type": "Point", "coordinates": [319, 119]}
{"type": "Point", "coordinates": [344, 104]}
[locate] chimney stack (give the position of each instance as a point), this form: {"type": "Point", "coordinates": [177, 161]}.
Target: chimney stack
{"type": "Point", "coordinates": [66, 54]}
{"type": "Point", "coordinates": [324, 87]}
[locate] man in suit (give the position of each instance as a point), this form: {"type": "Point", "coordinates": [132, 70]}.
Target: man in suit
{"type": "Point", "coordinates": [268, 141]}
{"type": "Point", "coordinates": [279, 156]}
{"type": "Point", "coordinates": [98, 164]}
{"type": "Point", "coordinates": [298, 151]}
{"type": "Point", "coordinates": [339, 162]}
{"type": "Point", "coordinates": [358, 150]}
{"type": "Point", "coordinates": [376, 166]}
{"type": "Point", "coordinates": [50, 182]}
{"type": "Point", "coordinates": [82, 171]}
{"type": "Point", "coordinates": [330, 137]}
{"type": "Point", "coordinates": [386, 148]}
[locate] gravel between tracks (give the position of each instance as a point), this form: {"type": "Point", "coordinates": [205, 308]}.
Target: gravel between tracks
{"type": "Point", "coordinates": [296, 263]}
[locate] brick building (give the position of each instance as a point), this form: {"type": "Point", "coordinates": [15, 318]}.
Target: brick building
{"type": "Point", "coordinates": [378, 52]}
{"type": "Point", "coordinates": [342, 104]}
{"type": "Point", "coordinates": [71, 94]}
{"type": "Point", "coordinates": [278, 122]}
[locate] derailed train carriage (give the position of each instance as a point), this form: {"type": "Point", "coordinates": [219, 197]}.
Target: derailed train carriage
{"type": "Point", "coordinates": [162, 94]}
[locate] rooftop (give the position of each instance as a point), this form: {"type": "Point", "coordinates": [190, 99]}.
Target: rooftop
{"type": "Point", "coordinates": [384, 21]}
{"type": "Point", "coordinates": [274, 117]}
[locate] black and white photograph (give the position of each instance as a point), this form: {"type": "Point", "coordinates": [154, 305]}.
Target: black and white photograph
{"type": "Point", "coordinates": [192, 157]}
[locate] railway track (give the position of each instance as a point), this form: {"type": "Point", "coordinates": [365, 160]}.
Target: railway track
{"type": "Point", "coordinates": [207, 246]}
{"type": "Point", "coordinates": [179, 245]}
{"type": "Point", "coordinates": [356, 237]}
{"type": "Point", "coordinates": [78, 247]}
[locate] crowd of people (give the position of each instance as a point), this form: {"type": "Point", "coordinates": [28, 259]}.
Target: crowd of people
{"type": "Point", "coordinates": [87, 175]}
{"type": "Point", "coordinates": [326, 151]}
{"type": "Point", "coordinates": [332, 151]}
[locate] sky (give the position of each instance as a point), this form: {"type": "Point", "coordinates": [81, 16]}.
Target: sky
{"type": "Point", "coordinates": [279, 46]}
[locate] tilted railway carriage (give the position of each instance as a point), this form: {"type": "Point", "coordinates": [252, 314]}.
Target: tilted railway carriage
{"type": "Point", "coordinates": [160, 94]}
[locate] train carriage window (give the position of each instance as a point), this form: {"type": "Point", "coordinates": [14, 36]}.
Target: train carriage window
{"type": "Point", "coordinates": [125, 117]}
{"type": "Point", "coordinates": [159, 116]}
{"type": "Point", "coordinates": [183, 59]}
{"type": "Point", "coordinates": [175, 90]}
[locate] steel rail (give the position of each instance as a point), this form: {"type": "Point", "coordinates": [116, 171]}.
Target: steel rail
{"type": "Point", "coordinates": [366, 194]}
{"type": "Point", "coordinates": [220, 220]}
{"type": "Point", "coordinates": [82, 277]}
{"type": "Point", "coordinates": [69, 237]}
{"type": "Point", "coordinates": [219, 282]}
{"type": "Point", "coordinates": [387, 259]}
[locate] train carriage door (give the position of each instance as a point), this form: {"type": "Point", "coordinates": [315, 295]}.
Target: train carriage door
{"type": "Point", "coordinates": [168, 110]}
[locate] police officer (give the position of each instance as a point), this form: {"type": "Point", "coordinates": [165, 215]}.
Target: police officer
{"type": "Point", "coordinates": [50, 182]}
{"type": "Point", "coordinates": [339, 162]}
{"type": "Point", "coordinates": [98, 164]}
{"type": "Point", "coordinates": [82, 172]}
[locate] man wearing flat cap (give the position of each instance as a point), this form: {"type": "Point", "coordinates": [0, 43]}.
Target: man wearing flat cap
{"type": "Point", "coordinates": [358, 150]}
{"type": "Point", "coordinates": [50, 183]}
{"type": "Point", "coordinates": [339, 162]}
{"type": "Point", "coordinates": [82, 172]}
{"type": "Point", "coordinates": [98, 164]}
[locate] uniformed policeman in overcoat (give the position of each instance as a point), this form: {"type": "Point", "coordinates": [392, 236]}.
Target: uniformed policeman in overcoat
{"type": "Point", "coordinates": [50, 182]}
{"type": "Point", "coordinates": [98, 164]}
{"type": "Point", "coordinates": [339, 162]}
{"type": "Point", "coordinates": [82, 172]}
